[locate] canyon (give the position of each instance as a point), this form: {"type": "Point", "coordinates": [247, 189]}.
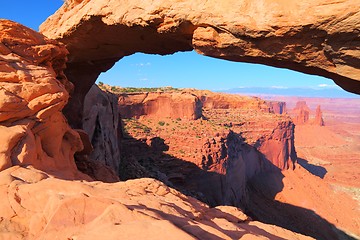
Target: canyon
{"type": "Point", "coordinates": [77, 162]}
{"type": "Point", "coordinates": [45, 196]}
{"type": "Point", "coordinates": [233, 154]}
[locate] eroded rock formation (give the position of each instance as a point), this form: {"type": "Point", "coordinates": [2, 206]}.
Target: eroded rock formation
{"type": "Point", "coordinates": [277, 107]}
{"type": "Point", "coordinates": [323, 41]}
{"type": "Point", "coordinates": [318, 117]}
{"type": "Point", "coordinates": [213, 100]}
{"type": "Point", "coordinates": [33, 91]}
{"type": "Point", "coordinates": [301, 115]}
{"type": "Point", "coordinates": [103, 125]}
{"type": "Point", "coordinates": [184, 105]}
{"type": "Point", "coordinates": [212, 160]}
{"type": "Point", "coordinates": [278, 147]}
{"type": "Point", "coordinates": [38, 147]}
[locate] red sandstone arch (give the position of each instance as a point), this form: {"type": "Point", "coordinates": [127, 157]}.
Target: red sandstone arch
{"type": "Point", "coordinates": [314, 37]}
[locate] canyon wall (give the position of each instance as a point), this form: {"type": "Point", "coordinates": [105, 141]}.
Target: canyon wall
{"type": "Point", "coordinates": [301, 115]}
{"type": "Point", "coordinates": [323, 41]}
{"type": "Point", "coordinates": [278, 147]}
{"type": "Point", "coordinates": [184, 105]}
{"type": "Point", "coordinates": [222, 161]}
{"type": "Point", "coordinates": [277, 107]}
{"type": "Point", "coordinates": [213, 100]}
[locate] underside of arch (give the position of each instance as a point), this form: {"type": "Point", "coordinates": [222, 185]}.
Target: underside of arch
{"type": "Point", "coordinates": [314, 37]}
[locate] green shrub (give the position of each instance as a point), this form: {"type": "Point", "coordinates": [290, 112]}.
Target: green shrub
{"type": "Point", "coordinates": [161, 123]}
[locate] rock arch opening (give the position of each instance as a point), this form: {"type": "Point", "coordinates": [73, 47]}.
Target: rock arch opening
{"type": "Point", "coordinates": [192, 70]}
{"type": "Point", "coordinates": [323, 42]}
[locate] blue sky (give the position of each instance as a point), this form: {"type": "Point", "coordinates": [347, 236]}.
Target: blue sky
{"type": "Point", "coordinates": [189, 69]}
{"type": "Point", "coordinates": [185, 69]}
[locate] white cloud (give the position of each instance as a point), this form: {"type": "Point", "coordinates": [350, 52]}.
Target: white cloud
{"type": "Point", "coordinates": [324, 85]}
{"type": "Point", "coordinates": [279, 87]}
{"type": "Point", "coordinates": [144, 79]}
{"type": "Point", "coordinates": [142, 64]}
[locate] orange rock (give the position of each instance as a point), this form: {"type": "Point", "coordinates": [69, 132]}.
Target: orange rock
{"type": "Point", "coordinates": [318, 117]}
{"type": "Point", "coordinates": [301, 112]}
{"type": "Point", "coordinates": [33, 91]}
{"type": "Point", "coordinates": [184, 105]}
{"type": "Point", "coordinates": [39, 206]}
{"type": "Point", "coordinates": [279, 147]}
{"type": "Point", "coordinates": [243, 31]}
{"type": "Point", "coordinates": [277, 107]}
{"type": "Point", "coordinates": [258, 32]}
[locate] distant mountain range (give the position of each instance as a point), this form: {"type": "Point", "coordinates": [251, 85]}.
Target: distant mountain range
{"type": "Point", "coordinates": [288, 91]}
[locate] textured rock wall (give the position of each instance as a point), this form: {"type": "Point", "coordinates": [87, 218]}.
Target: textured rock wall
{"type": "Point", "coordinates": [235, 162]}
{"type": "Point", "coordinates": [318, 120]}
{"type": "Point", "coordinates": [103, 125]}
{"type": "Point", "coordinates": [230, 101]}
{"type": "Point", "coordinates": [33, 91]}
{"type": "Point", "coordinates": [301, 115]}
{"type": "Point", "coordinates": [182, 105]}
{"type": "Point", "coordinates": [279, 147]}
{"type": "Point", "coordinates": [277, 107]}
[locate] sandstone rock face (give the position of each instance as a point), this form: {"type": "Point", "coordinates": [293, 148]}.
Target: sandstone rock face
{"type": "Point", "coordinates": [33, 91]}
{"type": "Point", "coordinates": [318, 117]}
{"type": "Point", "coordinates": [213, 100]}
{"type": "Point", "coordinates": [225, 156]}
{"type": "Point", "coordinates": [209, 158]}
{"type": "Point", "coordinates": [301, 115]}
{"type": "Point", "coordinates": [279, 147]}
{"type": "Point", "coordinates": [103, 125]}
{"type": "Point", "coordinates": [184, 105]}
{"type": "Point", "coordinates": [137, 209]}
{"type": "Point", "coordinates": [277, 107]}
{"type": "Point", "coordinates": [316, 37]}
{"type": "Point", "coordinates": [301, 112]}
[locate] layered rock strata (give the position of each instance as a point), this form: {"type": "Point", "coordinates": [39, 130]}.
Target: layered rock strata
{"type": "Point", "coordinates": [301, 115]}
{"type": "Point", "coordinates": [277, 107]}
{"type": "Point", "coordinates": [183, 105]}
{"type": "Point", "coordinates": [215, 156]}
{"type": "Point", "coordinates": [33, 91]}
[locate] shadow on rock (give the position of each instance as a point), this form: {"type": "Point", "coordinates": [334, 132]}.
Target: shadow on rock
{"type": "Point", "coordinates": [142, 159]}
{"type": "Point", "coordinates": [313, 169]}
{"type": "Point", "coordinates": [263, 207]}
